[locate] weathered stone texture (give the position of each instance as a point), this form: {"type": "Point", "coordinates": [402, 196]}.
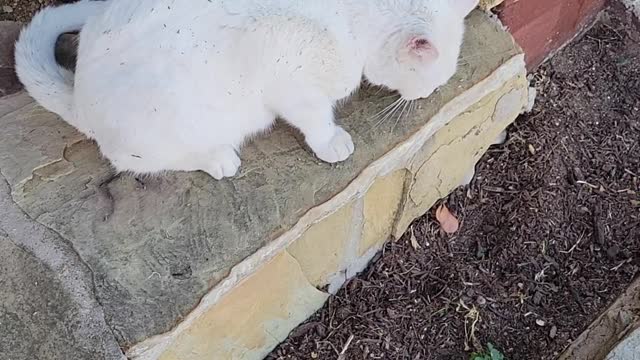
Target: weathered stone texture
{"type": "Point", "coordinates": [381, 206]}
{"type": "Point", "coordinates": [253, 317]}
{"type": "Point", "coordinates": [34, 308]}
{"type": "Point", "coordinates": [47, 306]}
{"type": "Point", "coordinates": [322, 250]}
{"type": "Point", "coordinates": [446, 159]}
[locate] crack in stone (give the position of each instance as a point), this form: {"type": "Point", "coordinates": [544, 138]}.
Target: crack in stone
{"type": "Point", "coordinates": [16, 110]}
{"type": "Point", "coordinates": [85, 266]}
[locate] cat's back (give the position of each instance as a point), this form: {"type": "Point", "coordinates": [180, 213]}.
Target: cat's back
{"type": "Point", "coordinates": [150, 26]}
{"type": "Point", "coordinates": [139, 18]}
{"type": "Point", "coordinates": [141, 22]}
{"type": "Point", "coordinates": [239, 44]}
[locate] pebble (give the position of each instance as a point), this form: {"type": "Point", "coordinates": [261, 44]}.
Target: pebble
{"type": "Point", "coordinates": [8, 9]}
{"type": "Point", "coordinates": [613, 251]}
{"type": "Point", "coordinates": [537, 298]}
{"type": "Point", "coordinates": [553, 332]}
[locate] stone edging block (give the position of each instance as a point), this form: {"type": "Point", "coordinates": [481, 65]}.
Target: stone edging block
{"type": "Point", "coordinates": [615, 334]}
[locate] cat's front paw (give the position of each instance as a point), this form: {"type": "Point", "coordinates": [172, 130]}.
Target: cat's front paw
{"type": "Point", "coordinates": [338, 148]}
{"type": "Point", "coordinates": [224, 163]}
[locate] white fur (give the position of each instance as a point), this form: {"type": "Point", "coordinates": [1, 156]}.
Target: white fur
{"type": "Point", "coordinates": [180, 85]}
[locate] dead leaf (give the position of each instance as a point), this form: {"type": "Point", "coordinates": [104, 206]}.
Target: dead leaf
{"type": "Point", "coordinates": [414, 241]}
{"type": "Point", "coordinates": [447, 221]}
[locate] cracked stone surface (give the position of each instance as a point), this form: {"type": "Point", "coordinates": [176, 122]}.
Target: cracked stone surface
{"type": "Point", "coordinates": [156, 245]}
{"type": "Point", "coordinates": [47, 305]}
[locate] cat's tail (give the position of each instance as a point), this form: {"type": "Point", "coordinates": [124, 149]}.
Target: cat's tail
{"type": "Point", "coordinates": [47, 82]}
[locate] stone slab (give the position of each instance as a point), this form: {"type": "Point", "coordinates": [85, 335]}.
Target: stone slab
{"type": "Point", "coordinates": [33, 311]}
{"type": "Point", "coordinates": [321, 251]}
{"type": "Point", "coordinates": [628, 349]}
{"type": "Point", "coordinates": [47, 306]}
{"type": "Point", "coordinates": [254, 316]}
{"type": "Point", "coordinates": [157, 245]}
{"type": "Point", "coordinates": [614, 335]}
{"type": "Point", "coordinates": [381, 207]}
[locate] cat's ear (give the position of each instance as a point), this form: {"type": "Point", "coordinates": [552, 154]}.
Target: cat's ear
{"type": "Point", "coordinates": [421, 48]}
{"type": "Point", "coordinates": [464, 7]}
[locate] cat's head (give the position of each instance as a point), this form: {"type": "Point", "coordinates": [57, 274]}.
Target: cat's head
{"type": "Point", "coordinates": [421, 45]}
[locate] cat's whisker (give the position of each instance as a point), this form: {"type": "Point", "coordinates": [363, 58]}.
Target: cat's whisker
{"type": "Point", "coordinates": [383, 111]}
{"type": "Point", "coordinates": [410, 109]}
{"type": "Point", "coordinates": [380, 89]}
{"type": "Point", "coordinates": [390, 114]}
{"type": "Point", "coordinates": [407, 105]}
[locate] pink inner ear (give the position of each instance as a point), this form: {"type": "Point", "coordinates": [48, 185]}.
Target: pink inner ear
{"type": "Point", "coordinates": [423, 48]}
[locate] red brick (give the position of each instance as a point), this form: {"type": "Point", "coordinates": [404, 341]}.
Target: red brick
{"type": "Point", "coordinates": [543, 26]}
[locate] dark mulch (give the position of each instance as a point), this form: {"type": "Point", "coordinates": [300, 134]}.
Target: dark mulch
{"type": "Point", "coordinates": [23, 10]}
{"type": "Point", "coordinates": [550, 230]}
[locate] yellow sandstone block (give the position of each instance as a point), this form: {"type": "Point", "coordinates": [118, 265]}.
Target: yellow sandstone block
{"type": "Point", "coordinates": [253, 318]}
{"type": "Point", "coordinates": [451, 153]}
{"type": "Point", "coordinates": [381, 205]}
{"type": "Point", "coordinates": [322, 249]}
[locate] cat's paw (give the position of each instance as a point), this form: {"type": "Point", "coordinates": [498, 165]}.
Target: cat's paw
{"type": "Point", "coordinates": [338, 148]}
{"type": "Point", "coordinates": [225, 163]}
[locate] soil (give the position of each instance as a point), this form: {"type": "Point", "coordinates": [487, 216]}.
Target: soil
{"type": "Point", "coordinates": [549, 237]}
{"type": "Point", "coordinates": [23, 10]}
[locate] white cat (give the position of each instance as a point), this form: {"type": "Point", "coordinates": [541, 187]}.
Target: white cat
{"type": "Point", "coordinates": [181, 84]}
